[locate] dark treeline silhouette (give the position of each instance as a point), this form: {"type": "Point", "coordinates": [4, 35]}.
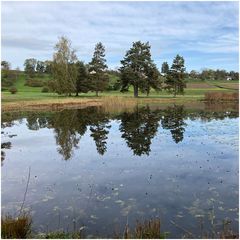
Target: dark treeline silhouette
{"type": "Point", "coordinates": [137, 127]}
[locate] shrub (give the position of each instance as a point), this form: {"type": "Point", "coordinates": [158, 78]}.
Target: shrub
{"type": "Point", "coordinates": [34, 83]}
{"type": "Point", "coordinates": [45, 89]}
{"type": "Point", "coordinates": [13, 90]}
{"type": "Point", "coordinates": [19, 227]}
{"type": "Point", "coordinates": [221, 96]}
{"type": "Point", "coordinates": [3, 89]}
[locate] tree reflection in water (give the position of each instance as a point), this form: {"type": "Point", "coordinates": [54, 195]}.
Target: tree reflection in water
{"type": "Point", "coordinates": [173, 119]}
{"type": "Point", "coordinates": [138, 127]}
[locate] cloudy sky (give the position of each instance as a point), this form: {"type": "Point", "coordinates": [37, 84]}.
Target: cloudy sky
{"type": "Point", "coordinates": [205, 33]}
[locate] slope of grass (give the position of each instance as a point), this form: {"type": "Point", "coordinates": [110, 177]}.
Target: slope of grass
{"type": "Point", "coordinates": [195, 90]}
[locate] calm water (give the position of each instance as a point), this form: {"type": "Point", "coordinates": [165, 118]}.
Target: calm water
{"type": "Point", "coordinates": [102, 170]}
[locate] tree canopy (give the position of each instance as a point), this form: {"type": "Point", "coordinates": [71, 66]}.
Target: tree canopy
{"type": "Point", "coordinates": [175, 82]}
{"type": "Point", "coordinates": [63, 67]}
{"type": "Point", "coordinates": [97, 69]}
{"type": "Point", "coordinates": [138, 69]}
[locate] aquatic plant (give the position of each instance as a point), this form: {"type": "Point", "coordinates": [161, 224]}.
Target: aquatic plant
{"type": "Point", "coordinates": [221, 96]}
{"type": "Point", "coordinates": [144, 230]}
{"type": "Point", "coordinates": [60, 235]}
{"type": "Point", "coordinates": [19, 227]}
{"type": "Point", "coordinates": [118, 104]}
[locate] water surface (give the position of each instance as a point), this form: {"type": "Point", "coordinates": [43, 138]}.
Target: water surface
{"type": "Point", "coordinates": [101, 170]}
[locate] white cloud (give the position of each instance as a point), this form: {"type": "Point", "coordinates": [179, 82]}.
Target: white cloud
{"type": "Point", "coordinates": [170, 27]}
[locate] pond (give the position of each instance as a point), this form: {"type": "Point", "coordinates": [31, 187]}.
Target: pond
{"type": "Point", "coordinates": [99, 169]}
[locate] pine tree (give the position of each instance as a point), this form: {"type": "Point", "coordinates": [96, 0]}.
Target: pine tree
{"type": "Point", "coordinates": [165, 68]}
{"type": "Point", "coordinates": [175, 78]}
{"type": "Point", "coordinates": [82, 82]}
{"type": "Point", "coordinates": [152, 80]}
{"type": "Point", "coordinates": [97, 69]}
{"type": "Point", "coordinates": [137, 68]}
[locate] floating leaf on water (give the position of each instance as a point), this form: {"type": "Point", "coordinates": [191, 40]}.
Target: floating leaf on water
{"type": "Point", "coordinates": [93, 217]}
{"type": "Point", "coordinates": [70, 208]}
{"type": "Point", "coordinates": [121, 185]}
{"type": "Point", "coordinates": [233, 209]}
{"type": "Point", "coordinates": [125, 211]}
{"type": "Point", "coordinates": [56, 208]}
{"type": "Point", "coordinates": [131, 199]}
{"type": "Point", "coordinates": [221, 208]}
{"type": "Point", "coordinates": [82, 228]}
{"type": "Point", "coordinates": [106, 198]}
{"type": "Point", "coordinates": [120, 202]}
{"type": "Point", "coordinates": [179, 216]}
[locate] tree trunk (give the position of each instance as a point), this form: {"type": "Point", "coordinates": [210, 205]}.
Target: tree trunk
{"type": "Point", "coordinates": [76, 94]}
{"type": "Point", "coordinates": [148, 90]}
{"type": "Point", "coordinates": [97, 93]}
{"type": "Point", "coordinates": [135, 91]}
{"type": "Point", "coordinates": [174, 91]}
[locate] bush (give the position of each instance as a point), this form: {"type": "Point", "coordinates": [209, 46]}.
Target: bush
{"type": "Point", "coordinates": [13, 90]}
{"type": "Point", "coordinates": [34, 83]}
{"type": "Point", "coordinates": [221, 96]}
{"type": "Point", "coordinates": [19, 227]}
{"type": "Point", "coordinates": [3, 89]}
{"type": "Point", "coordinates": [45, 89]}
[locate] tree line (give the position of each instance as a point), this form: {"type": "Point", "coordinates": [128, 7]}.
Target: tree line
{"type": "Point", "coordinates": [138, 71]}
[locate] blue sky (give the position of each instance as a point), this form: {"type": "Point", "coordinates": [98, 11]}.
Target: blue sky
{"type": "Point", "coordinates": [204, 33]}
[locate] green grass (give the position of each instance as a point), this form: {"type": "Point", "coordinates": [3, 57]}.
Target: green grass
{"type": "Point", "coordinates": [26, 93]}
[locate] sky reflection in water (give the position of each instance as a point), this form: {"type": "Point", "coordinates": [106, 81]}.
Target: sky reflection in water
{"type": "Point", "coordinates": [101, 168]}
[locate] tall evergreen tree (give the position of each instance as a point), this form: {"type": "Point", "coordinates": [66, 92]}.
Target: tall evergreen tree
{"type": "Point", "coordinates": [152, 80]}
{"type": "Point", "coordinates": [175, 78]}
{"type": "Point", "coordinates": [64, 68]}
{"type": "Point", "coordinates": [165, 68]}
{"type": "Point", "coordinates": [82, 83]}
{"type": "Point", "coordinates": [97, 69]}
{"type": "Point", "coordinates": [137, 67]}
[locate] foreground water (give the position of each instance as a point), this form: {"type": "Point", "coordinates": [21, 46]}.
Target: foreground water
{"type": "Point", "coordinates": [92, 168]}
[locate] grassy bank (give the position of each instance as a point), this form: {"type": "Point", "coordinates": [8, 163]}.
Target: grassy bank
{"type": "Point", "coordinates": [21, 228]}
{"type": "Point", "coordinates": [32, 98]}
